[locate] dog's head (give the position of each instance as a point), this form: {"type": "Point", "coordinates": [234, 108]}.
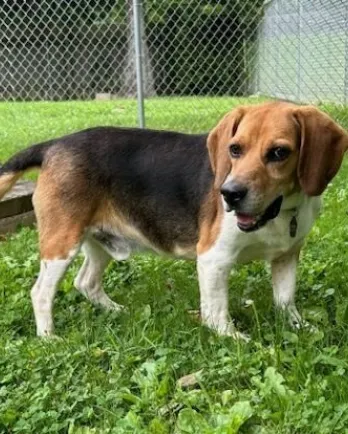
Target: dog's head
{"type": "Point", "coordinates": [261, 153]}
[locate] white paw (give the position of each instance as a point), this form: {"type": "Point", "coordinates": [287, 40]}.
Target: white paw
{"type": "Point", "coordinates": [49, 337]}
{"type": "Point", "coordinates": [115, 307]}
{"type": "Point", "coordinates": [301, 324]}
{"type": "Point", "coordinates": [239, 336]}
{"type": "Point", "coordinates": [105, 302]}
{"type": "Point", "coordinates": [230, 330]}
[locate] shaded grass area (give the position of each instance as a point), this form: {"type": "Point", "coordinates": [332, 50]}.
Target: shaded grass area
{"type": "Point", "coordinates": [117, 373]}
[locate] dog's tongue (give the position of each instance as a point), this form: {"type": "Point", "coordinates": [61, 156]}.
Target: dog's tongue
{"type": "Point", "coordinates": [245, 219]}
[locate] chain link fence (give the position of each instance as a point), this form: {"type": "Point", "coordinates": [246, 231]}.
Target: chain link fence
{"type": "Point", "coordinates": [62, 50]}
{"type": "Point", "coordinates": [303, 51]}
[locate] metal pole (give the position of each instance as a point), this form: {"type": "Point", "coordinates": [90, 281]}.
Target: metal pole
{"type": "Point", "coordinates": [137, 14]}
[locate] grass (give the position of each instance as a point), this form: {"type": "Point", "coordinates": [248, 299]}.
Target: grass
{"type": "Point", "coordinates": [23, 124]}
{"type": "Point", "coordinates": [117, 373]}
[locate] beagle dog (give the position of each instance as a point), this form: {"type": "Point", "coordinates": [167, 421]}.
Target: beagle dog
{"type": "Point", "coordinates": [248, 190]}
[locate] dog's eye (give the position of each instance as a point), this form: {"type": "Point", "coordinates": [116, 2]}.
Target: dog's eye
{"type": "Point", "coordinates": [235, 150]}
{"type": "Point", "coordinates": [278, 153]}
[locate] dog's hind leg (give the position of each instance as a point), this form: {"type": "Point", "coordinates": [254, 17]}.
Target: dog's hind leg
{"type": "Point", "coordinates": [44, 290]}
{"type": "Point", "coordinates": [89, 278]}
{"type": "Point", "coordinates": [61, 228]}
{"type": "Point", "coordinates": [58, 247]}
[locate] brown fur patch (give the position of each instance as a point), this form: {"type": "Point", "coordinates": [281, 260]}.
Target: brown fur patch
{"type": "Point", "coordinates": [323, 145]}
{"type": "Point", "coordinates": [64, 208]}
{"type": "Point", "coordinates": [210, 221]}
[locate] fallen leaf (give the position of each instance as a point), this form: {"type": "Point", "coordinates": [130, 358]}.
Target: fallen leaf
{"type": "Point", "coordinates": [189, 380]}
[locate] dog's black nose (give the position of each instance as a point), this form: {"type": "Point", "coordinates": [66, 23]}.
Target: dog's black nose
{"type": "Point", "coordinates": [233, 192]}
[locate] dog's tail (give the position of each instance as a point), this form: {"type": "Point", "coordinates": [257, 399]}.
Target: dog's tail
{"type": "Point", "coordinates": [14, 168]}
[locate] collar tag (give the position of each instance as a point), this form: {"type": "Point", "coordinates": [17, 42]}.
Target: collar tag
{"type": "Point", "coordinates": [293, 227]}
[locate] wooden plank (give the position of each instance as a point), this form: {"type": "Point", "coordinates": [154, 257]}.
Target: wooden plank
{"type": "Point", "coordinates": [18, 200]}
{"type": "Point", "coordinates": [10, 224]}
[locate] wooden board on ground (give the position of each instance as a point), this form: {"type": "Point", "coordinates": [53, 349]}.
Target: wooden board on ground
{"type": "Point", "coordinates": [16, 207]}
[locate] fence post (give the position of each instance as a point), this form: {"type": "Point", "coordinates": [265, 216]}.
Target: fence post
{"type": "Point", "coordinates": [137, 13]}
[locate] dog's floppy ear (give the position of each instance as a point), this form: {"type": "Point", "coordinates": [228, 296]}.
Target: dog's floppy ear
{"type": "Point", "coordinates": [218, 143]}
{"type": "Point", "coordinates": [322, 146]}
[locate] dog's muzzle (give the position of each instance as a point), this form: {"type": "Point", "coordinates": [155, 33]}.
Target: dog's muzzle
{"type": "Point", "coordinates": [249, 223]}
{"type": "Point", "coordinates": [234, 193]}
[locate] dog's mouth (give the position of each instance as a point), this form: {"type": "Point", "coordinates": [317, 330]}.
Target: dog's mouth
{"type": "Point", "coordinates": [250, 223]}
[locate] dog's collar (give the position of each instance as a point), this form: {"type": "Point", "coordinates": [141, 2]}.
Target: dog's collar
{"type": "Point", "coordinates": [291, 205]}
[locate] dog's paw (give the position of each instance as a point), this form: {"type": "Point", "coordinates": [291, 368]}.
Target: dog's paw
{"type": "Point", "coordinates": [231, 331]}
{"type": "Point", "coordinates": [301, 324]}
{"type": "Point", "coordinates": [239, 336]}
{"type": "Point", "coordinates": [115, 307]}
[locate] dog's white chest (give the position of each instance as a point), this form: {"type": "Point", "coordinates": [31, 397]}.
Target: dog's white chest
{"type": "Point", "coordinates": [269, 242]}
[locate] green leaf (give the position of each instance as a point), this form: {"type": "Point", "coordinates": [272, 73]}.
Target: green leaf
{"type": "Point", "coordinates": [191, 422]}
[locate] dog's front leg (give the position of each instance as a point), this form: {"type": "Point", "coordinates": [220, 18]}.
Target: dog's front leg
{"type": "Point", "coordinates": [284, 286]}
{"type": "Point", "coordinates": [213, 286]}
